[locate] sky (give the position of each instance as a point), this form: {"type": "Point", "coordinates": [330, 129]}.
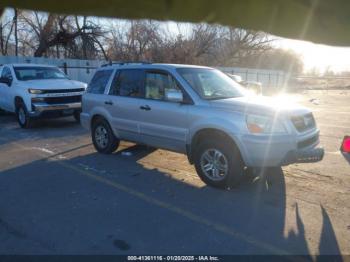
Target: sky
{"type": "Point", "coordinates": [318, 57]}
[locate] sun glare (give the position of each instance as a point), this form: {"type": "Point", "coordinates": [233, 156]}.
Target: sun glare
{"type": "Point", "coordinates": [319, 58]}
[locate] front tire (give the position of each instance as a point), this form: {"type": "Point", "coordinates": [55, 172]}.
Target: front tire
{"type": "Point", "coordinates": [76, 116]}
{"type": "Point", "coordinates": [103, 137]}
{"type": "Point", "coordinates": [23, 117]}
{"type": "Point", "coordinates": [219, 164]}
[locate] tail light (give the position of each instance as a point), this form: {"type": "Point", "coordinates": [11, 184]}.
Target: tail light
{"type": "Point", "coordinates": [345, 147]}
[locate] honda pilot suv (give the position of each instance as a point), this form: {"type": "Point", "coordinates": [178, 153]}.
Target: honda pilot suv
{"type": "Point", "coordinates": [34, 91]}
{"type": "Point", "coordinates": [198, 111]}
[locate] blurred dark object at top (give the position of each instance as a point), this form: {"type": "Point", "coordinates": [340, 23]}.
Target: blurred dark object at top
{"type": "Point", "coordinates": [320, 21]}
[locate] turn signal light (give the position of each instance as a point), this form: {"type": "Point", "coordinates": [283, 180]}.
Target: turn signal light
{"type": "Point", "coordinates": [345, 147]}
{"type": "Point", "coordinates": [254, 128]}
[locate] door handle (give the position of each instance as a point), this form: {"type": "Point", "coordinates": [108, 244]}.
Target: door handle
{"type": "Point", "coordinates": [146, 107]}
{"type": "Point", "coordinates": [109, 103]}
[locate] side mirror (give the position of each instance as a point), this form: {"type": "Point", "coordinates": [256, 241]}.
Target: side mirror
{"type": "Point", "coordinates": [6, 81]}
{"type": "Point", "coordinates": [174, 95]}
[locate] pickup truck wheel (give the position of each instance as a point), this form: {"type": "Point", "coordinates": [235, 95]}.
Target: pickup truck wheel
{"type": "Point", "coordinates": [103, 138]}
{"type": "Point", "coordinates": [22, 116]}
{"type": "Point", "coordinates": [218, 164]}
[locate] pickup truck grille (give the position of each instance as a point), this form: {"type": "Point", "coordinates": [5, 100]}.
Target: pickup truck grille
{"type": "Point", "coordinates": [304, 122]}
{"type": "Point", "coordinates": [58, 91]}
{"type": "Point", "coordinates": [62, 99]}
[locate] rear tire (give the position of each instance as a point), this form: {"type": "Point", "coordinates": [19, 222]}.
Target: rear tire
{"type": "Point", "coordinates": [210, 160]}
{"type": "Point", "coordinates": [103, 137]}
{"type": "Point", "coordinates": [23, 117]}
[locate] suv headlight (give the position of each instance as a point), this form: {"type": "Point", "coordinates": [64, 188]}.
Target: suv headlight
{"type": "Point", "coordinates": [259, 124]}
{"type": "Point", "coordinates": [35, 91]}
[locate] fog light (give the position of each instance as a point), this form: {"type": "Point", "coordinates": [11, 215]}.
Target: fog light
{"type": "Point", "coordinates": [345, 147]}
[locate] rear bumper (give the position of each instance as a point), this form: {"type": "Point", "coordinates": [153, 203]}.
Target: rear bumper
{"type": "Point", "coordinates": [42, 108]}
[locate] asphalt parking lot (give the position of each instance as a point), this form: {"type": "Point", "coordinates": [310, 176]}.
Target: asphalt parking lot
{"type": "Point", "coordinates": [58, 196]}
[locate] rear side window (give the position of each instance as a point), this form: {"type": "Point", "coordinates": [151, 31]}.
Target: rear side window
{"type": "Point", "coordinates": [99, 81]}
{"type": "Point", "coordinates": [128, 82]}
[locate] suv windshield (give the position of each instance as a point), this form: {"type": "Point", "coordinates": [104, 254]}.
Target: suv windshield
{"type": "Point", "coordinates": [211, 84]}
{"type": "Point", "coordinates": [38, 73]}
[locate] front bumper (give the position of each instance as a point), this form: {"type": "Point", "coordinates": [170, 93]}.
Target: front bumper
{"type": "Point", "coordinates": [311, 155]}
{"type": "Point", "coordinates": [42, 108]}
{"type": "Point", "coordinates": [85, 120]}
{"type": "Point", "coordinates": [280, 150]}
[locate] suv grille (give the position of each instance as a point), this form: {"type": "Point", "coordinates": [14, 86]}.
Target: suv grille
{"type": "Point", "coordinates": [304, 122]}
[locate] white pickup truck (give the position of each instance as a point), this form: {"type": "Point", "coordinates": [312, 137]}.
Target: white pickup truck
{"type": "Point", "coordinates": [34, 91]}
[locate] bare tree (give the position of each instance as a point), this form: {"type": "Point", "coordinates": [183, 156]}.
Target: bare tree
{"type": "Point", "coordinates": [136, 42]}
{"type": "Point", "coordinates": [15, 21]}
{"type": "Point", "coordinates": [69, 36]}
{"type": "Point", "coordinates": [51, 35]}
{"type": "Point", "coordinates": [6, 29]}
{"type": "Point", "coordinates": [236, 45]}
{"type": "Point", "coordinates": [2, 37]}
{"type": "Point", "coordinates": [44, 34]}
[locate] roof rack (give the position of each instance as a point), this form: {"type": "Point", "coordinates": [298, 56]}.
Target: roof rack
{"type": "Point", "coordinates": [125, 63]}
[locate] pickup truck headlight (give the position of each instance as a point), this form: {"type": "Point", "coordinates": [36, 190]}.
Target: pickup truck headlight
{"type": "Point", "coordinates": [259, 124]}
{"type": "Point", "coordinates": [35, 91]}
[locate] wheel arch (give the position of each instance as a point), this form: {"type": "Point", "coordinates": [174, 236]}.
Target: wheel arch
{"type": "Point", "coordinates": [98, 115]}
{"type": "Point", "coordinates": [95, 117]}
{"type": "Point", "coordinates": [17, 101]}
{"type": "Point", "coordinates": [211, 133]}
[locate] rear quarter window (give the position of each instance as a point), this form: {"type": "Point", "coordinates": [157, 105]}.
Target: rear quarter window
{"type": "Point", "coordinates": [99, 82]}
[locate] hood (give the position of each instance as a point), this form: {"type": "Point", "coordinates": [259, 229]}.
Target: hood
{"type": "Point", "coordinates": [260, 105]}
{"type": "Point", "coordinates": [53, 84]}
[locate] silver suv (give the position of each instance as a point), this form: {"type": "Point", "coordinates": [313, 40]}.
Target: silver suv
{"type": "Point", "coordinates": [198, 111]}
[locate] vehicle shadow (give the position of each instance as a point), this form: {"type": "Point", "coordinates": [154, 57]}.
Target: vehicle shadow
{"type": "Point", "coordinates": [250, 219]}
{"type": "Point", "coordinates": [346, 156]}
{"type": "Point", "coordinates": [60, 122]}
{"type": "Point", "coordinates": [10, 131]}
